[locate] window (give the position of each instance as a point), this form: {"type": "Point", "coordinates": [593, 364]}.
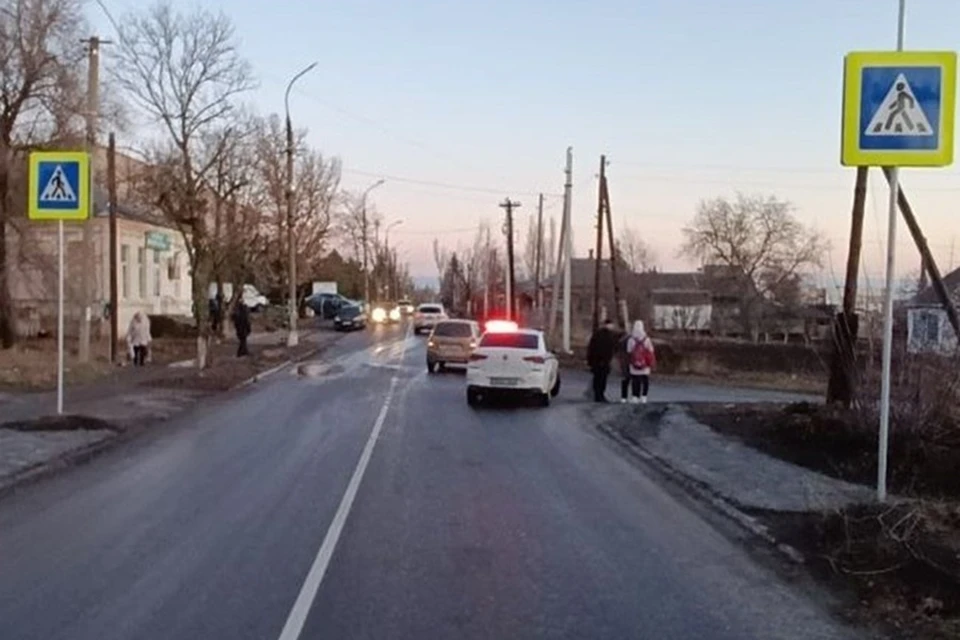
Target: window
{"type": "Point", "coordinates": [928, 328]}
{"type": "Point", "coordinates": [453, 330]}
{"type": "Point", "coordinates": [511, 340]}
{"type": "Point", "coordinates": [430, 308]}
{"type": "Point", "coordinates": [142, 271]}
{"type": "Point", "coordinates": [124, 271]}
{"type": "Point", "coordinates": [156, 273]}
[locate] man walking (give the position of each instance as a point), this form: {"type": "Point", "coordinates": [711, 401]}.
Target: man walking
{"type": "Point", "coordinates": [241, 324]}
{"type": "Point", "coordinates": [600, 351]}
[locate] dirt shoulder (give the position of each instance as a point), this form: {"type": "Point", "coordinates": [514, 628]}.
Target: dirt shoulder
{"type": "Point", "coordinates": [895, 564]}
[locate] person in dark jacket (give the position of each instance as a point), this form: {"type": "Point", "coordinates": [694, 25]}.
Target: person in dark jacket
{"type": "Point", "coordinates": [600, 351]}
{"type": "Point", "coordinates": [241, 324]}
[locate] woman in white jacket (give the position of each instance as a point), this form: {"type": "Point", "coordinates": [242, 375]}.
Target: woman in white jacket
{"type": "Point", "coordinates": [138, 337]}
{"type": "Point", "coordinates": [643, 359]}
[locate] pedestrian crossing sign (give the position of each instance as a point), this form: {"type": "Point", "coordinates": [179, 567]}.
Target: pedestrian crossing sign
{"type": "Point", "coordinates": [59, 185]}
{"type": "Point", "coordinates": [898, 108]}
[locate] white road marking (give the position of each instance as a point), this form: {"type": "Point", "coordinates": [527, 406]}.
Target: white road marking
{"type": "Point", "coordinates": [311, 585]}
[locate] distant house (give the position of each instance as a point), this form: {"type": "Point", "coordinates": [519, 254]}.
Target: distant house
{"type": "Point", "coordinates": [928, 326]}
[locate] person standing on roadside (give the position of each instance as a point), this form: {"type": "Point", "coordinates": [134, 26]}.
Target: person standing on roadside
{"type": "Point", "coordinates": [623, 360]}
{"type": "Point", "coordinates": [600, 351]}
{"type": "Point", "coordinates": [138, 338]}
{"type": "Point", "coordinates": [643, 359]}
{"type": "Point", "coordinates": [241, 324]}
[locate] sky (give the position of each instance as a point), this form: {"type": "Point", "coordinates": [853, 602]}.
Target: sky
{"type": "Point", "coordinates": [459, 105]}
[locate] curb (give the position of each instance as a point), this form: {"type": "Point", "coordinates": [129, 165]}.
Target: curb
{"type": "Point", "coordinates": [86, 453]}
{"type": "Point", "coordinates": [702, 492]}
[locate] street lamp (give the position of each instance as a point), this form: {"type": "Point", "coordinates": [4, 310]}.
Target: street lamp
{"type": "Point", "coordinates": [292, 338]}
{"type": "Point", "coordinates": [391, 264]}
{"type": "Point", "coordinates": [363, 231]}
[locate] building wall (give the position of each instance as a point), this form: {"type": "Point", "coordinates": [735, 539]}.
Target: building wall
{"type": "Point", "coordinates": [155, 282]}
{"type": "Point", "coordinates": [929, 331]}
{"type": "Point", "coordinates": [682, 317]}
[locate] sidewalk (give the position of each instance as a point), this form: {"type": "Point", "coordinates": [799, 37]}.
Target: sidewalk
{"type": "Point", "coordinates": [129, 399]}
{"type": "Point", "coordinates": [737, 473]}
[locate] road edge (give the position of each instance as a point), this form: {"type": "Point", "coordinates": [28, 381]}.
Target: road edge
{"type": "Point", "coordinates": [700, 492]}
{"type": "Point", "coordinates": [88, 452]}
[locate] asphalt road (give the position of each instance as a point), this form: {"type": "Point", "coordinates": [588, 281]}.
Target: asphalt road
{"type": "Point", "coordinates": [362, 498]}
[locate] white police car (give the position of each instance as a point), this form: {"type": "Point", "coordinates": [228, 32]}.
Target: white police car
{"type": "Point", "coordinates": [511, 360]}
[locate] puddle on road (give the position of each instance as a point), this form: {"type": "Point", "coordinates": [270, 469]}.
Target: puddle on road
{"type": "Point", "coordinates": [315, 370]}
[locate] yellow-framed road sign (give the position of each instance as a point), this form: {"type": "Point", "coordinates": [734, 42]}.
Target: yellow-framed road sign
{"type": "Point", "coordinates": [899, 108]}
{"type": "Point", "coordinates": [59, 185]}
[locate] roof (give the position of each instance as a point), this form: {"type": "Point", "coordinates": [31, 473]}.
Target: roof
{"type": "Point", "coordinates": [679, 298]}
{"type": "Point", "coordinates": [929, 295]}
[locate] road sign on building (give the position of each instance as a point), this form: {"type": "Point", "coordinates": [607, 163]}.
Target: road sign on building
{"type": "Point", "coordinates": [899, 108]}
{"type": "Point", "coordinates": [59, 185]}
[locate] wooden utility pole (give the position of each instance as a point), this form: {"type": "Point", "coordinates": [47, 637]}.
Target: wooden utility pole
{"type": "Point", "coordinates": [88, 273]}
{"type": "Point", "coordinates": [929, 263]}
{"type": "Point", "coordinates": [843, 369]}
{"type": "Point", "coordinates": [509, 205]}
{"type": "Point", "coordinates": [112, 203]}
{"type": "Point", "coordinates": [614, 255]}
{"type": "Point", "coordinates": [539, 259]}
{"type": "Point", "coordinates": [598, 256]}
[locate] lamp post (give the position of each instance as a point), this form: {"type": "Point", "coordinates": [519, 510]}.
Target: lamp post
{"type": "Point", "coordinates": [292, 338]}
{"type": "Point", "coordinates": [363, 231]}
{"type": "Point", "coordinates": [391, 265]}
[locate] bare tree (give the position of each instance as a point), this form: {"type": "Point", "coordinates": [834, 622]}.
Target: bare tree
{"type": "Point", "coordinates": [530, 248]}
{"type": "Point", "coordinates": [184, 70]}
{"type": "Point", "coordinates": [761, 244]}
{"type": "Point", "coordinates": [634, 251]}
{"type": "Point", "coordinates": [40, 102]}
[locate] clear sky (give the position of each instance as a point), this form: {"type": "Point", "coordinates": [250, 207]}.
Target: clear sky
{"type": "Point", "coordinates": [689, 99]}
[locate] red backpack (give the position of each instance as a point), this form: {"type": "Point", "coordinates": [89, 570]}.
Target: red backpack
{"type": "Point", "coordinates": [643, 356]}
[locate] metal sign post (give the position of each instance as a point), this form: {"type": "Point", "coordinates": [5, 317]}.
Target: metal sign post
{"type": "Point", "coordinates": [59, 190]}
{"type": "Point", "coordinates": [898, 111]}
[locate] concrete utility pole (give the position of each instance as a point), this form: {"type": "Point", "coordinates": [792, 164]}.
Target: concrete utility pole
{"type": "Point", "coordinates": [89, 271]}
{"type": "Point", "coordinates": [598, 257]}
{"type": "Point", "coordinates": [112, 203]}
{"type": "Point", "coordinates": [564, 249]}
{"type": "Point", "coordinates": [539, 259]}
{"type": "Point", "coordinates": [509, 206]}
{"type": "Point", "coordinates": [293, 337]}
{"type": "Point", "coordinates": [365, 238]}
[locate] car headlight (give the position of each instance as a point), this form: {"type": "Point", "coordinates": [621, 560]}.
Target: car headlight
{"type": "Point", "coordinates": [394, 314]}
{"type": "Point", "coordinates": [336, 318]}
{"type": "Point", "coordinates": [379, 315]}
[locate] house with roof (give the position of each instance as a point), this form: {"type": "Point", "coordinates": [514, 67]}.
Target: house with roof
{"type": "Point", "coordinates": [153, 271]}
{"type": "Point", "coordinates": [928, 326]}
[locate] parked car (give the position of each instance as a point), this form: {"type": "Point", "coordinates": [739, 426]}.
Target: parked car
{"type": "Point", "coordinates": [510, 360]}
{"type": "Point", "coordinates": [451, 342]}
{"type": "Point", "coordinates": [427, 316]}
{"type": "Point", "coordinates": [350, 317]}
{"type": "Point", "coordinates": [326, 305]}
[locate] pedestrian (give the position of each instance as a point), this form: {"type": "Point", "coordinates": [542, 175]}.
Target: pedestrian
{"type": "Point", "coordinates": [138, 338]}
{"type": "Point", "coordinates": [216, 314]}
{"type": "Point", "coordinates": [241, 324]}
{"type": "Point", "coordinates": [600, 351]}
{"type": "Point", "coordinates": [623, 359]}
{"type": "Point", "coordinates": [643, 359]}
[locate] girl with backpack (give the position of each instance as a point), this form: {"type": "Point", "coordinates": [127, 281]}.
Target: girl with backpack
{"type": "Point", "coordinates": [642, 359]}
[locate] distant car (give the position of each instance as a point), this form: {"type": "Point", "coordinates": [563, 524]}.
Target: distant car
{"type": "Point", "coordinates": [451, 342]}
{"type": "Point", "coordinates": [406, 307]}
{"type": "Point", "coordinates": [326, 305]}
{"type": "Point", "coordinates": [427, 316]}
{"type": "Point", "coordinates": [385, 312]}
{"type": "Point", "coordinates": [510, 360]}
{"type": "Point", "coordinates": [350, 317]}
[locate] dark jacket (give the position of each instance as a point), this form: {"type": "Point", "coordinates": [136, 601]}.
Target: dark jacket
{"type": "Point", "coordinates": [601, 348]}
{"type": "Point", "coordinates": [241, 320]}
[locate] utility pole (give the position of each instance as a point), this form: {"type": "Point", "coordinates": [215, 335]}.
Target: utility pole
{"type": "Point", "coordinates": [88, 277]}
{"type": "Point", "coordinates": [568, 247]}
{"type": "Point", "coordinates": [366, 240]}
{"type": "Point", "coordinates": [509, 205]}
{"type": "Point", "coordinates": [619, 309]}
{"type": "Point", "coordinates": [292, 337]}
{"type": "Point", "coordinates": [598, 257]}
{"type": "Point", "coordinates": [112, 204]}
{"type": "Point", "coordinates": [536, 272]}
{"type": "Point", "coordinates": [846, 325]}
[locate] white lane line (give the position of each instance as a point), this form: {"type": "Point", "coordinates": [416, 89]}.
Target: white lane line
{"type": "Point", "coordinates": [308, 592]}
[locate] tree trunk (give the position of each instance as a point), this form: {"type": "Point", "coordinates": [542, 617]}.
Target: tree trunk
{"type": "Point", "coordinates": [7, 329]}
{"type": "Point", "coordinates": [200, 307]}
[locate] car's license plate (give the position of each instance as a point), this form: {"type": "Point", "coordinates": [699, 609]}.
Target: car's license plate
{"type": "Point", "coordinates": [504, 382]}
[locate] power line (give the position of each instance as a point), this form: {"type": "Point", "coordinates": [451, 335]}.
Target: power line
{"type": "Point", "coordinates": [444, 185]}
